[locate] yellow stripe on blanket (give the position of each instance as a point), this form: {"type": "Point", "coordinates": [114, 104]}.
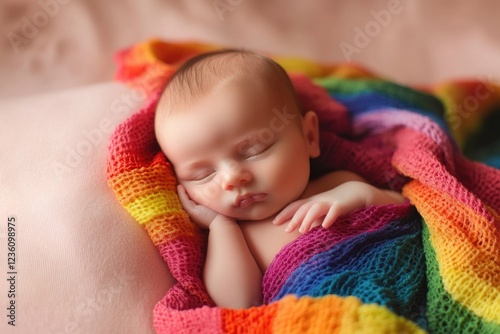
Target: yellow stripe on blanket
{"type": "Point", "coordinates": [153, 205]}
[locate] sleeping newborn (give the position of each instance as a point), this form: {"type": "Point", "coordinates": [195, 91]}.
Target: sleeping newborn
{"type": "Point", "coordinates": [240, 143]}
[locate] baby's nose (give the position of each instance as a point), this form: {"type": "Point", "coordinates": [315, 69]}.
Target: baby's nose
{"type": "Point", "coordinates": [235, 175]}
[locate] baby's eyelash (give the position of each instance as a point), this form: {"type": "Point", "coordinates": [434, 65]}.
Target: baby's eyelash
{"type": "Point", "coordinates": [204, 177]}
{"type": "Point", "coordinates": [256, 151]}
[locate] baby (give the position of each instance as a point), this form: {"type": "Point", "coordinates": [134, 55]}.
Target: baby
{"type": "Point", "coordinates": [233, 128]}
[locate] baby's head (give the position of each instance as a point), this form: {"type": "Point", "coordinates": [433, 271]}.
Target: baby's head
{"type": "Point", "coordinates": [231, 125]}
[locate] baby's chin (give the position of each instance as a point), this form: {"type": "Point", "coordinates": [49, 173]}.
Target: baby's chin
{"type": "Point", "coordinates": [255, 214]}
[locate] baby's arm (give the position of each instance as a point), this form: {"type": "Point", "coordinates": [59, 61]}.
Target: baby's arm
{"type": "Point", "coordinates": [231, 275]}
{"type": "Point", "coordinates": [349, 192]}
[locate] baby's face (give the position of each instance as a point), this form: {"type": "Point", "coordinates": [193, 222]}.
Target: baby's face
{"type": "Point", "coordinates": [240, 151]}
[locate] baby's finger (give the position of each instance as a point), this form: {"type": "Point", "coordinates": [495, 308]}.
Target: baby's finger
{"type": "Point", "coordinates": [183, 197]}
{"type": "Point", "coordinates": [287, 213]}
{"type": "Point", "coordinates": [297, 218]}
{"type": "Point", "coordinates": [330, 217]}
{"type": "Point", "coordinates": [316, 211]}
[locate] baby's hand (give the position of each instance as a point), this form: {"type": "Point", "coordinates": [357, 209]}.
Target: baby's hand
{"type": "Point", "coordinates": [199, 214]}
{"type": "Point", "coordinates": [323, 208]}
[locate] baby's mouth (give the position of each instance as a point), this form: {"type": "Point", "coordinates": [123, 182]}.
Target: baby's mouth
{"type": "Point", "coordinates": [248, 199]}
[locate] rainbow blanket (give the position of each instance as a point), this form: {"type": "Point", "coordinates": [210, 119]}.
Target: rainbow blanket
{"type": "Point", "coordinates": [432, 264]}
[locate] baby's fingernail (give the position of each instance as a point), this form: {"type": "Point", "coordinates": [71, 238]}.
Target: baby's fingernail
{"type": "Point", "coordinates": [288, 229]}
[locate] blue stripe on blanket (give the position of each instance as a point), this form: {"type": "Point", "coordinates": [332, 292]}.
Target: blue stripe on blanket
{"type": "Point", "coordinates": [362, 103]}
{"type": "Point", "coordinates": [386, 267]}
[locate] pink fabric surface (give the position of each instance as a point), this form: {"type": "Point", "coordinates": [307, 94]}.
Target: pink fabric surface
{"type": "Point", "coordinates": [84, 264]}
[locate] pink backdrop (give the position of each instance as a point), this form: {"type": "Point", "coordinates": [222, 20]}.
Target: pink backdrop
{"type": "Point", "coordinates": [84, 266]}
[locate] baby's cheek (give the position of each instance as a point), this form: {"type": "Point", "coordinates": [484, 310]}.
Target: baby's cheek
{"type": "Point", "coordinates": [278, 176]}
{"type": "Point", "coordinates": [294, 176]}
{"type": "Point", "coordinates": [205, 194]}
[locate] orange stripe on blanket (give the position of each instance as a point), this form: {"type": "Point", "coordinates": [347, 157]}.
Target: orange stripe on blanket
{"type": "Point", "coordinates": [147, 66]}
{"type": "Point", "coordinates": [334, 314]}
{"type": "Point", "coordinates": [165, 228]}
{"type": "Point", "coordinates": [252, 320]}
{"type": "Point", "coordinates": [466, 245]}
{"type": "Point", "coordinates": [134, 184]}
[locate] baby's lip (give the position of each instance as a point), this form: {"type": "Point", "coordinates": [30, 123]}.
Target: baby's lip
{"type": "Point", "coordinates": [243, 201]}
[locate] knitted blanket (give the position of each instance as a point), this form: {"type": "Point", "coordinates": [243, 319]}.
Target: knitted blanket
{"type": "Point", "coordinates": [431, 264]}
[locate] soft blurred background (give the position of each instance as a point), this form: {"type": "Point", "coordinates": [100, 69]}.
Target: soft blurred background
{"type": "Point", "coordinates": [85, 266]}
{"type": "Point", "coordinates": [56, 44]}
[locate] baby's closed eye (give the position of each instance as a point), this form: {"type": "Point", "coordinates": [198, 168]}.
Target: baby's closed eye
{"type": "Point", "coordinates": [204, 175]}
{"type": "Point", "coordinates": [256, 150]}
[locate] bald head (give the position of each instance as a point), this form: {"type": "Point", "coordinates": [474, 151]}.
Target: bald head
{"type": "Point", "coordinates": [204, 73]}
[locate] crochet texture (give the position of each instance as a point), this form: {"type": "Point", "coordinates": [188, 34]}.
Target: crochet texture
{"type": "Point", "coordinates": [432, 264]}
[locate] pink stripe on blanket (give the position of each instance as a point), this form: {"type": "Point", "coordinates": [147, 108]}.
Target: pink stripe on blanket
{"type": "Point", "coordinates": [167, 320]}
{"type": "Point", "coordinates": [381, 120]}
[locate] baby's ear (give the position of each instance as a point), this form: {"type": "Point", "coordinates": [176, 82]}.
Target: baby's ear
{"type": "Point", "coordinates": [310, 128]}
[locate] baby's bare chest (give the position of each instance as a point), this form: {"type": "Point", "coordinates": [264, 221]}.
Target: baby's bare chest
{"type": "Point", "coordinates": [265, 240]}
